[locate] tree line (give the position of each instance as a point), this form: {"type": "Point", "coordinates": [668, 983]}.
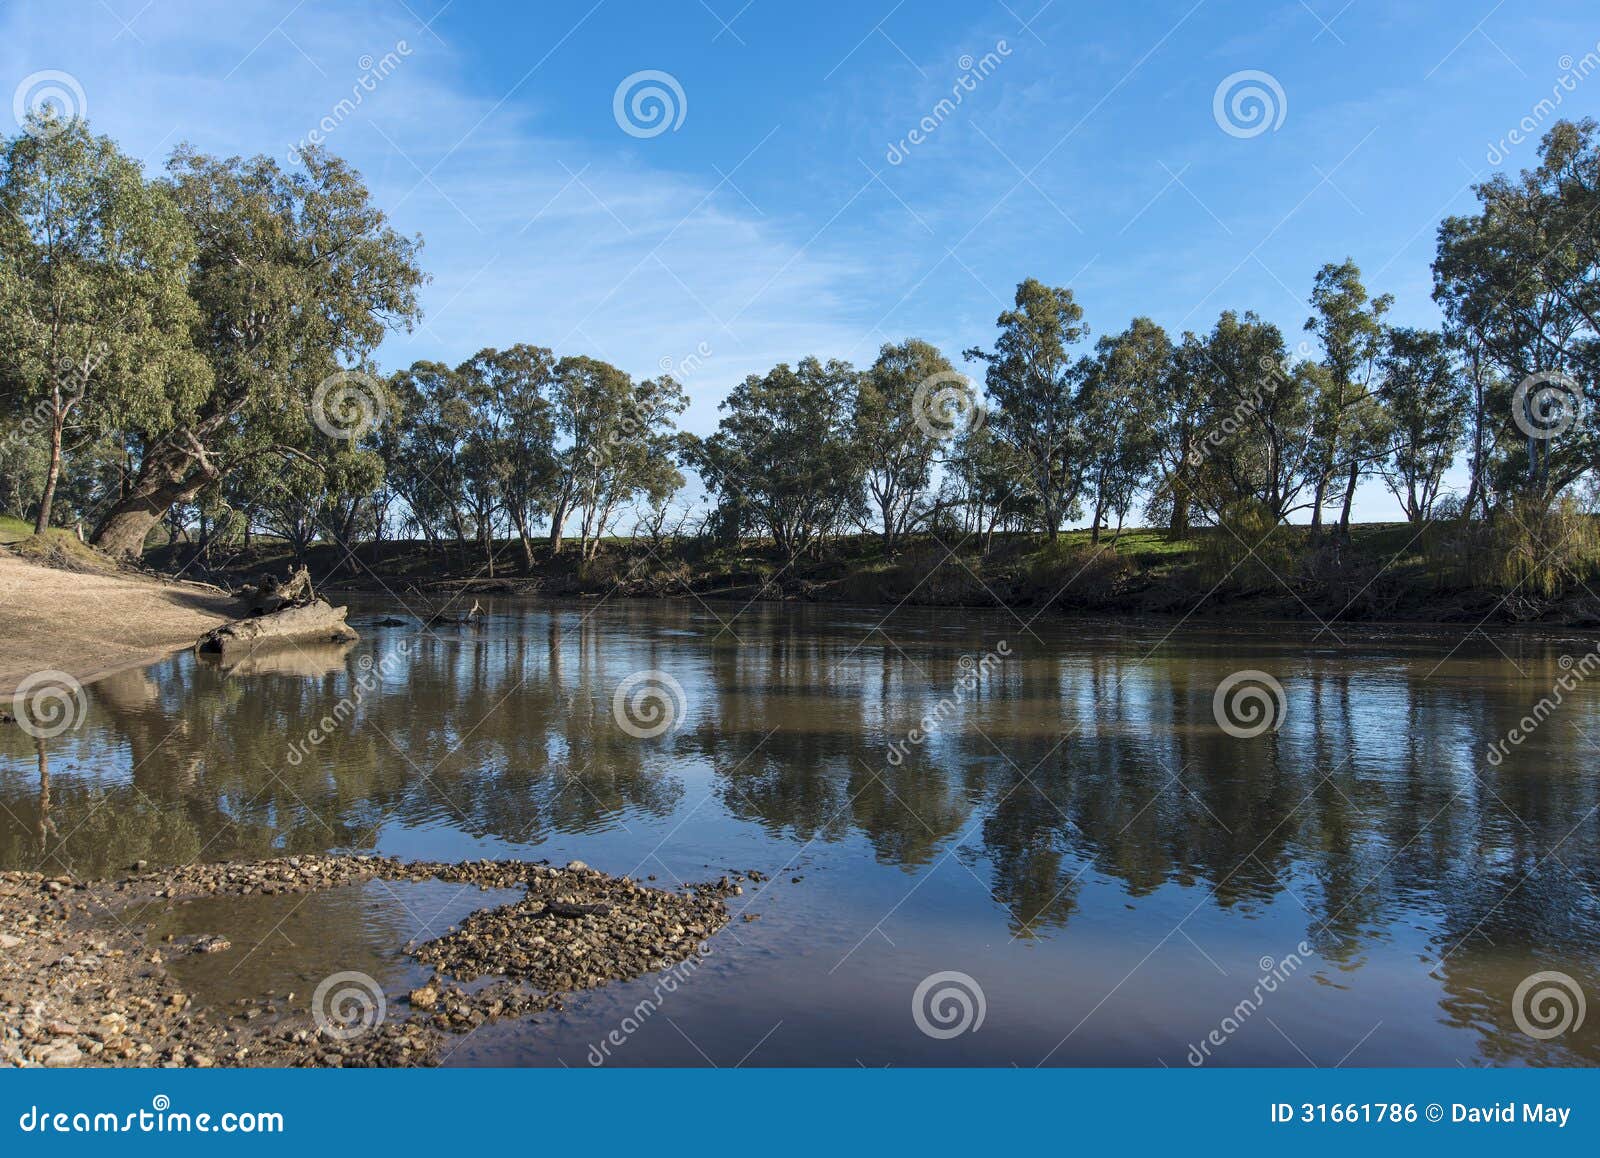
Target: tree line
{"type": "Point", "coordinates": [195, 349]}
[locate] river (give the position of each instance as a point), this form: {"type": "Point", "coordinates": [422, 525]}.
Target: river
{"type": "Point", "coordinates": [983, 839]}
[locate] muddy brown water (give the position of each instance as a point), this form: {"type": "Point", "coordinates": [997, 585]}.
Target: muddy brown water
{"type": "Point", "coordinates": [1017, 842]}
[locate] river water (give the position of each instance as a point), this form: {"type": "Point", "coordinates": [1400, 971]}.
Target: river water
{"type": "Point", "coordinates": [984, 839]}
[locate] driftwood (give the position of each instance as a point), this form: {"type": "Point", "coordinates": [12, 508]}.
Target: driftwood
{"type": "Point", "coordinates": [440, 619]}
{"type": "Point", "coordinates": [314, 622]}
{"type": "Point", "coordinates": [269, 595]}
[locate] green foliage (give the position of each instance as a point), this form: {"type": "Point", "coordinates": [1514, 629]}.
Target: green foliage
{"type": "Point", "coordinates": [1520, 281]}
{"type": "Point", "coordinates": [783, 459]}
{"type": "Point", "coordinates": [1347, 424]}
{"type": "Point", "coordinates": [95, 313]}
{"type": "Point", "coordinates": [899, 432]}
{"type": "Point", "coordinates": [1425, 404]}
{"type": "Point", "coordinates": [1032, 379]}
{"type": "Point", "coordinates": [1249, 550]}
{"type": "Point", "coordinates": [166, 348]}
{"type": "Point", "coordinates": [295, 274]}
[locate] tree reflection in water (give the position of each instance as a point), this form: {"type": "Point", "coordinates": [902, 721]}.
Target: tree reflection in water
{"type": "Point", "coordinates": [1089, 760]}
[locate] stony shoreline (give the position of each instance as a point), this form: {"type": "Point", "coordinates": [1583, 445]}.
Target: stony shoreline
{"type": "Point", "coordinates": [83, 984]}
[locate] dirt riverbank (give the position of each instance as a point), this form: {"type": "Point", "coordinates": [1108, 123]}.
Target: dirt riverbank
{"type": "Point", "coordinates": [89, 623]}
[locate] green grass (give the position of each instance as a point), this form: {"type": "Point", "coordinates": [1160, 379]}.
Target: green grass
{"type": "Point", "coordinates": [13, 530]}
{"type": "Point", "coordinates": [57, 547]}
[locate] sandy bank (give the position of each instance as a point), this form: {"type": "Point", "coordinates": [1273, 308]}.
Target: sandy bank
{"type": "Point", "coordinates": [89, 624]}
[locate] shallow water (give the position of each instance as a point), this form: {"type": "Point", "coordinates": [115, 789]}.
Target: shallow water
{"type": "Point", "coordinates": [1121, 879]}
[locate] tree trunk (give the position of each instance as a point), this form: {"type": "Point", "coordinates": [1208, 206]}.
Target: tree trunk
{"type": "Point", "coordinates": [165, 477]}
{"type": "Point", "coordinates": [51, 477]}
{"type": "Point", "coordinates": [1349, 498]}
{"type": "Point", "coordinates": [558, 521]}
{"type": "Point", "coordinates": [520, 517]}
{"type": "Point", "coordinates": [1178, 526]}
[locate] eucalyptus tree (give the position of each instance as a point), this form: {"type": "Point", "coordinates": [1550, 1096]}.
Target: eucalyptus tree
{"type": "Point", "coordinates": [295, 274]}
{"type": "Point", "coordinates": [636, 459]}
{"type": "Point", "coordinates": [1517, 282]}
{"type": "Point", "coordinates": [422, 447]}
{"type": "Point", "coordinates": [1259, 443]}
{"type": "Point", "coordinates": [983, 478]}
{"type": "Point", "coordinates": [1347, 421]}
{"type": "Point", "coordinates": [96, 319]}
{"type": "Point", "coordinates": [784, 456]}
{"type": "Point", "coordinates": [1179, 434]}
{"type": "Point", "coordinates": [618, 444]}
{"type": "Point", "coordinates": [511, 389]}
{"type": "Point", "coordinates": [1118, 405]}
{"type": "Point", "coordinates": [1426, 401]}
{"type": "Point", "coordinates": [900, 428]}
{"type": "Point", "coordinates": [1031, 378]}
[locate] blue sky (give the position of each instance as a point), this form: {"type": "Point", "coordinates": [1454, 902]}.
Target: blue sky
{"type": "Point", "coordinates": [771, 222]}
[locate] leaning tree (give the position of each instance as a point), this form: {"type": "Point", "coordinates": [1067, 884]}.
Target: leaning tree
{"type": "Point", "coordinates": [295, 275]}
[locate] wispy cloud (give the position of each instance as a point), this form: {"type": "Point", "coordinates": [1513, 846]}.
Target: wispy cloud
{"type": "Point", "coordinates": [577, 244]}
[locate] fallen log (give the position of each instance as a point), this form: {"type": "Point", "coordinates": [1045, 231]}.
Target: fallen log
{"type": "Point", "coordinates": [270, 595]}
{"type": "Point", "coordinates": [314, 622]}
